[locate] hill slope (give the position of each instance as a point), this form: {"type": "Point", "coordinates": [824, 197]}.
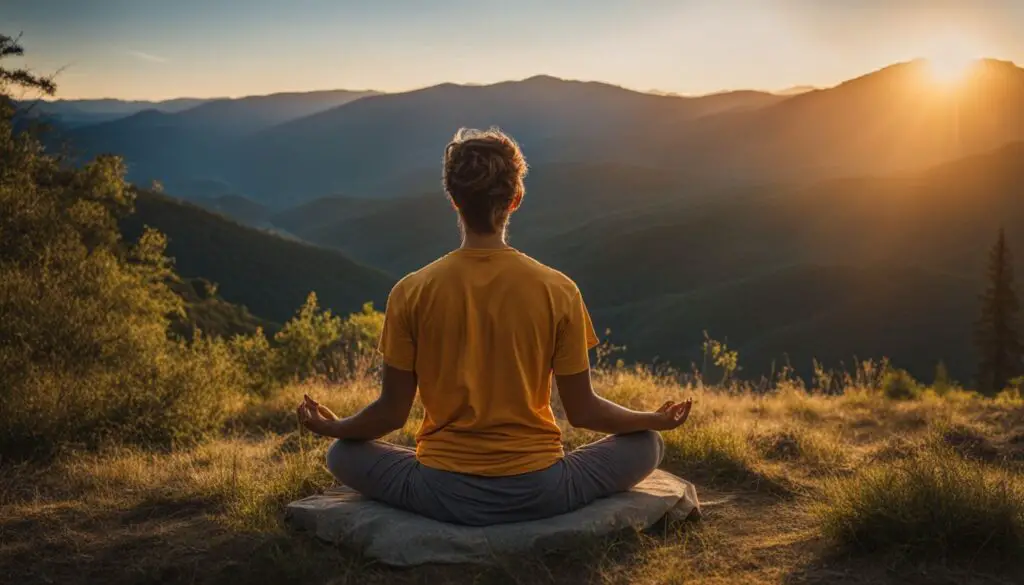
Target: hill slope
{"type": "Point", "coordinates": [269, 275]}
{"type": "Point", "coordinates": [844, 267]}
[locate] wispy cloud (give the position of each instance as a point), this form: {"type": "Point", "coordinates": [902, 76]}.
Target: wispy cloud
{"type": "Point", "coordinates": [146, 56]}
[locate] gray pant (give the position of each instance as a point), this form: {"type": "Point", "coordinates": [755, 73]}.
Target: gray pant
{"type": "Point", "coordinates": [393, 475]}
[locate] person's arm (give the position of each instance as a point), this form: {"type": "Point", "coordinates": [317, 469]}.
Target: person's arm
{"type": "Point", "coordinates": [384, 415]}
{"type": "Point", "coordinates": [586, 410]}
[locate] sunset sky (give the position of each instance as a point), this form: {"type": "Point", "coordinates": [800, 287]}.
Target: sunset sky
{"type": "Point", "coordinates": [148, 49]}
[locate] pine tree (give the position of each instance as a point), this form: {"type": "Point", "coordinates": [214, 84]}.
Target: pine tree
{"type": "Point", "coordinates": [997, 335]}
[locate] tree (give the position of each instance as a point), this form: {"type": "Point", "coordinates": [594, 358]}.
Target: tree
{"type": "Point", "coordinates": [20, 78]}
{"type": "Point", "coordinates": [997, 335]}
{"type": "Point", "coordinates": [84, 352]}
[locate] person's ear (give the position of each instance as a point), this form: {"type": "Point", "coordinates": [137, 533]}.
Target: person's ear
{"type": "Point", "coordinates": [516, 201]}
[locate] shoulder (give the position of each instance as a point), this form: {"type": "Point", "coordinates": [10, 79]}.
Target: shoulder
{"type": "Point", "coordinates": [412, 282]}
{"type": "Point", "coordinates": [554, 279]}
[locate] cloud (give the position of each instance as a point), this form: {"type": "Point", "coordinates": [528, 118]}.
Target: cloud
{"type": "Point", "coordinates": [147, 56]}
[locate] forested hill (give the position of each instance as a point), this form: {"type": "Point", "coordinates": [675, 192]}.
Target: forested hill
{"type": "Point", "coordinates": [268, 274]}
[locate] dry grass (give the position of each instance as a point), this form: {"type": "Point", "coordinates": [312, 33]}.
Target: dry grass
{"type": "Point", "coordinates": [793, 480]}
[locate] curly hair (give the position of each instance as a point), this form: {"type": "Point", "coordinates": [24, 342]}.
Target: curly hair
{"type": "Point", "coordinates": [483, 175]}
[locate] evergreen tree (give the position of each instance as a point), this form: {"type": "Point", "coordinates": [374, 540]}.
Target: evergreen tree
{"type": "Point", "coordinates": [997, 335]}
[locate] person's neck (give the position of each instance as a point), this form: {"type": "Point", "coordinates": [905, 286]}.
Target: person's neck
{"type": "Point", "coordinates": [494, 241]}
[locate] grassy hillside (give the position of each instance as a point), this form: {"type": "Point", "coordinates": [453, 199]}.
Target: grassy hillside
{"type": "Point", "coordinates": [269, 275]}
{"type": "Point", "coordinates": [796, 488]}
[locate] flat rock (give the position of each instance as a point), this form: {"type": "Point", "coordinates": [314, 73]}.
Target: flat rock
{"type": "Point", "coordinates": [399, 538]}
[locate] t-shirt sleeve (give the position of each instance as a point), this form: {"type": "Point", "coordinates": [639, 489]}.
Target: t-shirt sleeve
{"type": "Point", "coordinates": [575, 337]}
{"type": "Point", "coordinates": [397, 343]}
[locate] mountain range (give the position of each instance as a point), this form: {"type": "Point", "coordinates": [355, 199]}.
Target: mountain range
{"type": "Point", "coordinates": [833, 223]}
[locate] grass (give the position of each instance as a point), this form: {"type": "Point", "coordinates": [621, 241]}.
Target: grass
{"type": "Point", "coordinates": [937, 504]}
{"type": "Point", "coordinates": [799, 487]}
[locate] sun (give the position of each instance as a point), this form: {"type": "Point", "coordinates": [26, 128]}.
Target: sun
{"type": "Point", "coordinates": [951, 63]}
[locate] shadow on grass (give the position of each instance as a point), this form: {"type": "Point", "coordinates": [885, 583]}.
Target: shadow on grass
{"type": "Point", "coordinates": [180, 541]}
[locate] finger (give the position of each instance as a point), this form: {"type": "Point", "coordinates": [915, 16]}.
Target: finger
{"type": "Point", "coordinates": [310, 400]}
{"type": "Point", "coordinates": [323, 410]}
{"type": "Point", "coordinates": [686, 411]}
{"type": "Point", "coordinates": [677, 409]}
{"type": "Point", "coordinates": [666, 406]}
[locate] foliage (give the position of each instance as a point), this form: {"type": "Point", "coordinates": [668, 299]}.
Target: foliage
{"type": "Point", "coordinates": [205, 310]}
{"type": "Point", "coordinates": [937, 505]}
{"type": "Point", "coordinates": [997, 333]}
{"type": "Point", "coordinates": [900, 385]}
{"type": "Point", "coordinates": [303, 341]}
{"type": "Point", "coordinates": [20, 78]}
{"type": "Point", "coordinates": [721, 356]}
{"type": "Point", "coordinates": [84, 352]}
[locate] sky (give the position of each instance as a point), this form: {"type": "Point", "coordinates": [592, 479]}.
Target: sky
{"type": "Point", "coordinates": [149, 49]}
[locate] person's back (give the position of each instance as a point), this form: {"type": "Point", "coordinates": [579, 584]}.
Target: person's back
{"type": "Point", "coordinates": [479, 334]}
{"type": "Point", "coordinates": [487, 325]}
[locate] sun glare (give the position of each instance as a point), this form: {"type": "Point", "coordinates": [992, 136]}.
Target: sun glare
{"type": "Point", "coordinates": [950, 64]}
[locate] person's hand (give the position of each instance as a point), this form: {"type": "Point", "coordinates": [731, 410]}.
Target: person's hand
{"type": "Point", "coordinates": [315, 416]}
{"type": "Point", "coordinates": [671, 415]}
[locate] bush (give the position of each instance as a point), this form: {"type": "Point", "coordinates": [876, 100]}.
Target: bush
{"type": "Point", "coordinates": [84, 350]}
{"type": "Point", "coordinates": [900, 385]}
{"type": "Point", "coordinates": [303, 342]}
{"type": "Point", "coordinates": [934, 505]}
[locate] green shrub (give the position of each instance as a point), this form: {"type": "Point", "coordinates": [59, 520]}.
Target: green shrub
{"type": "Point", "coordinates": [257, 359]}
{"type": "Point", "coordinates": [84, 350]}
{"type": "Point", "coordinates": [303, 342]}
{"type": "Point", "coordinates": [900, 385]}
{"type": "Point", "coordinates": [934, 505]}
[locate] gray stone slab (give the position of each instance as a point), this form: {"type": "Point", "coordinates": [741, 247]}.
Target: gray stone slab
{"type": "Point", "coordinates": [398, 538]}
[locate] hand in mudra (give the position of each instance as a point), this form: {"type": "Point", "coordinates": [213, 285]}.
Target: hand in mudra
{"type": "Point", "coordinates": [315, 416]}
{"type": "Point", "coordinates": [672, 415]}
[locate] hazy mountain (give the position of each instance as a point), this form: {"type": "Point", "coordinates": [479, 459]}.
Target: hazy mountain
{"type": "Point", "coordinates": [795, 90]}
{"type": "Point", "coordinates": [250, 114]}
{"type": "Point", "coordinates": [361, 147]}
{"type": "Point", "coordinates": [238, 208]}
{"type": "Point", "coordinates": [189, 147]}
{"type": "Point", "coordinates": [269, 275]}
{"type": "Point", "coordinates": [73, 113]}
{"type": "Point", "coordinates": [899, 118]}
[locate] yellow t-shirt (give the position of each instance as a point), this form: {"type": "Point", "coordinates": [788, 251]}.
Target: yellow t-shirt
{"type": "Point", "coordinates": [483, 330]}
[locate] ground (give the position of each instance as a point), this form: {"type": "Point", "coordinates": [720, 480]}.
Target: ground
{"type": "Point", "coordinates": [768, 468]}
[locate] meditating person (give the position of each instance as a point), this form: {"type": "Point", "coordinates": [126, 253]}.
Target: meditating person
{"type": "Point", "coordinates": [480, 332]}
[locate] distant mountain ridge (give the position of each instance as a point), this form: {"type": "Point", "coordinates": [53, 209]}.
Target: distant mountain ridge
{"type": "Point", "coordinates": [187, 147]}
{"type": "Point", "coordinates": [286, 149]}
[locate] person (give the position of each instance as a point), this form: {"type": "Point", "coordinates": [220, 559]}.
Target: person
{"type": "Point", "coordinates": [479, 332]}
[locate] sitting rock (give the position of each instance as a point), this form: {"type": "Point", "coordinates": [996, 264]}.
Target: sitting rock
{"type": "Point", "coordinates": [399, 538]}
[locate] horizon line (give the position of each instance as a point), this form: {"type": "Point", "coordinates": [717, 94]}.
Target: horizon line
{"type": "Point", "coordinates": [651, 91]}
